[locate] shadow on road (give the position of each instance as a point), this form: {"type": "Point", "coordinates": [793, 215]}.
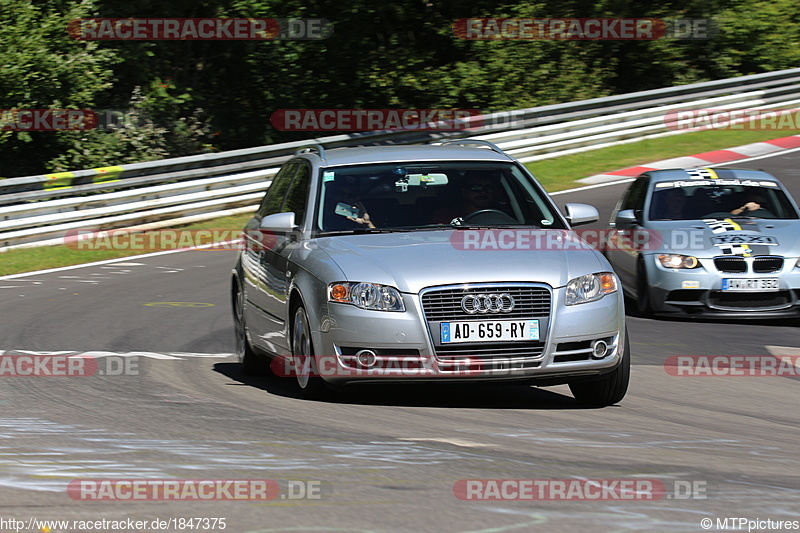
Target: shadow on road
{"type": "Point", "coordinates": [450, 395]}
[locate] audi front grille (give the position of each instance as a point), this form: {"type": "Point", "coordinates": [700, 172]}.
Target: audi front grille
{"type": "Point", "coordinates": [444, 305]}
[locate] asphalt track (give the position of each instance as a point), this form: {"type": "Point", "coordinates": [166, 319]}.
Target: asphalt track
{"type": "Point", "coordinates": [384, 459]}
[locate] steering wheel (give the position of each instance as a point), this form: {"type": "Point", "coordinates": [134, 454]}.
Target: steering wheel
{"type": "Point", "coordinates": [480, 212]}
{"type": "Point", "coordinates": [760, 213]}
{"type": "Point", "coordinates": [756, 213]}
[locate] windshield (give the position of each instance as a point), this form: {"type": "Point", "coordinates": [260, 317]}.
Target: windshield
{"type": "Point", "coordinates": [734, 198]}
{"type": "Point", "coordinates": [397, 196]}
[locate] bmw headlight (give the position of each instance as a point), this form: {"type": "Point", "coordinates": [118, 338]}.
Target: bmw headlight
{"type": "Point", "coordinates": [678, 261]}
{"type": "Point", "coordinates": [590, 287]}
{"type": "Point", "coordinates": [366, 296]}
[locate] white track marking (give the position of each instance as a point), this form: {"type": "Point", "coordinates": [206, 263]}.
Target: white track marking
{"type": "Point", "coordinates": [111, 261]}
{"type": "Point", "coordinates": [103, 353]}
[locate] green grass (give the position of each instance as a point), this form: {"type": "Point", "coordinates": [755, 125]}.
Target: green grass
{"type": "Point", "coordinates": [555, 174]}
{"type": "Point", "coordinates": [43, 257]}
{"type": "Point", "coordinates": [561, 172]}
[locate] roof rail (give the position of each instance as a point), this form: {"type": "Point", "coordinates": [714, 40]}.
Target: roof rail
{"type": "Point", "coordinates": [310, 147]}
{"type": "Point", "coordinates": [464, 142]}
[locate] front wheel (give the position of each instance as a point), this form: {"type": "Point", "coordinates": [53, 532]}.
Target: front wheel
{"type": "Point", "coordinates": [611, 387]}
{"type": "Point", "coordinates": [644, 302]}
{"type": "Point", "coordinates": [312, 387]}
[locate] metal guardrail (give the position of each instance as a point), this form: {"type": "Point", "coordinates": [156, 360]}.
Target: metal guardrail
{"type": "Point", "coordinates": [40, 210]}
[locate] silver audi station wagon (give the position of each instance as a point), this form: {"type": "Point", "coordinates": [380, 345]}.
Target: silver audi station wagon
{"type": "Point", "coordinates": [442, 262]}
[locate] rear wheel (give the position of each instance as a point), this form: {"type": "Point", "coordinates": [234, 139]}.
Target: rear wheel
{"type": "Point", "coordinates": [251, 363]}
{"type": "Point", "coordinates": [644, 303]}
{"type": "Point", "coordinates": [611, 387]}
{"type": "Point", "coordinates": [311, 385]}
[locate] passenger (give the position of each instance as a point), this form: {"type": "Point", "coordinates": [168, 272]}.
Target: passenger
{"type": "Point", "coordinates": [345, 202]}
{"type": "Point", "coordinates": [673, 204]}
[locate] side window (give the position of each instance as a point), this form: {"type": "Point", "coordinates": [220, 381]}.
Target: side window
{"type": "Point", "coordinates": [297, 197]}
{"type": "Point", "coordinates": [636, 194]}
{"type": "Point", "coordinates": [273, 199]}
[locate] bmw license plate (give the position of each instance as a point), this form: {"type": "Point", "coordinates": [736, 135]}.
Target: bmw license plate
{"type": "Point", "coordinates": [489, 331]}
{"type": "Point", "coordinates": [750, 284]}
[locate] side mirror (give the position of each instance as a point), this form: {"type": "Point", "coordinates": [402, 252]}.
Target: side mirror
{"type": "Point", "coordinates": [278, 223]}
{"type": "Point", "coordinates": [626, 217]}
{"type": "Point", "coordinates": [578, 214]}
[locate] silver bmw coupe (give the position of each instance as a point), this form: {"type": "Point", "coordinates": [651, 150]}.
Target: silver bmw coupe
{"type": "Point", "coordinates": [708, 242]}
{"type": "Point", "coordinates": [443, 262]}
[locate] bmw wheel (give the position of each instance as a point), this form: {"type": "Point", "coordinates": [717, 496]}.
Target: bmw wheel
{"type": "Point", "coordinates": [644, 303]}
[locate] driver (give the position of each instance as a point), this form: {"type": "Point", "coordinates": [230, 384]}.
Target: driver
{"type": "Point", "coordinates": [477, 193]}
{"type": "Point", "coordinates": [753, 201]}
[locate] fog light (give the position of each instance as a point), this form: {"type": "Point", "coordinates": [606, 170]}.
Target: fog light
{"type": "Point", "coordinates": [366, 358]}
{"type": "Point", "coordinates": [599, 349]}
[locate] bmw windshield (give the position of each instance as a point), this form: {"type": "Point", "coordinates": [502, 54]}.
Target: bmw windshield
{"type": "Point", "coordinates": [683, 200]}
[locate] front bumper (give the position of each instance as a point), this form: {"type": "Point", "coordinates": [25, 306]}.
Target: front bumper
{"type": "Point", "coordinates": [698, 292]}
{"type": "Point", "coordinates": [405, 349]}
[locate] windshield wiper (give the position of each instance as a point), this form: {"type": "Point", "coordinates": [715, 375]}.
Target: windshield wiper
{"type": "Point", "coordinates": [361, 231]}
{"type": "Point", "coordinates": [496, 226]}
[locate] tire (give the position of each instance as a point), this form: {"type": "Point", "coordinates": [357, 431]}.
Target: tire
{"type": "Point", "coordinates": [644, 301]}
{"type": "Point", "coordinates": [610, 388]}
{"type": "Point", "coordinates": [252, 364]}
{"type": "Point", "coordinates": [312, 387]}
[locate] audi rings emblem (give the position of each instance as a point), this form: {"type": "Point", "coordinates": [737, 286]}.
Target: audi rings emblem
{"type": "Point", "coordinates": [487, 303]}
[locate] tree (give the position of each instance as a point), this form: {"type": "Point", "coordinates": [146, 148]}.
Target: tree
{"type": "Point", "coordinates": [43, 68]}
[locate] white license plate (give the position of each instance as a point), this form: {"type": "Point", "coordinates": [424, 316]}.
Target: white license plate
{"type": "Point", "coordinates": [489, 331]}
{"type": "Point", "coordinates": [750, 284]}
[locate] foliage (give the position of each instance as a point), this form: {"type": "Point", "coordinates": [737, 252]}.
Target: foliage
{"type": "Point", "coordinates": [196, 96]}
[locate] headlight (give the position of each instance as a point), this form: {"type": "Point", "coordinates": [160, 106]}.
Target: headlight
{"type": "Point", "coordinates": [678, 261]}
{"type": "Point", "coordinates": [590, 287]}
{"type": "Point", "coordinates": [366, 296]}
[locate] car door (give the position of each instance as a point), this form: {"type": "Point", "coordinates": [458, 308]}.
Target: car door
{"type": "Point", "coordinates": [264, 267]}
{"type": "Point", "coordinates": [286, 247]}
{"type": "Point", "coordinates": [622, 252]}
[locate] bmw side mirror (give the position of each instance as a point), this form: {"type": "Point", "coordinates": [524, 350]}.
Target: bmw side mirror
{"type": "Point", "coordinates": [578, 214]}
{"type": "Point", "coordinates": [626, 217]}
